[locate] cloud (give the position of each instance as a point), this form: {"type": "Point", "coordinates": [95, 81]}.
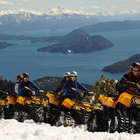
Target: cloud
{"type": "Point", "coordinates": [90, 7]}
{"type": "Point", "coordinates": [94, 7]}
{"type": "Point", "coordinates": [4, 2]}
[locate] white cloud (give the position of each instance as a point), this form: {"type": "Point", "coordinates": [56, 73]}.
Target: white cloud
{"type": "Point", "coordinates": [4, 2]}
{"type": "Point", "coordinates": [93, 7]}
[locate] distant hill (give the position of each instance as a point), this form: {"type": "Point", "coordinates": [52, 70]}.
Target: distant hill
{"type": "Point", "coordinates": [78, 41]}
{"type": "Point", "coordinates": [122, 66]}
{"type": "Point", "coordinates": [7, 86]}
{"type": "Point", "coordinates": [50, 83]}
{"type": "Point", "coordinates": [112, 26]}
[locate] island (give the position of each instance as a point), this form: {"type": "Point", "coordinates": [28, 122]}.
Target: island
{"type": "Point", "coordinates": [122, 66]}
{"type": "Point", "coordinates": [5, 45]}
{"type": "Point", "coordinates": [78, 41]}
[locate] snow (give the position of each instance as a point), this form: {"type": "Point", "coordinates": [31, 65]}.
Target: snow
{"type": "Point", "coordinates": [11, 129]}
{"type": "Point", "coordinates": [53, 11]}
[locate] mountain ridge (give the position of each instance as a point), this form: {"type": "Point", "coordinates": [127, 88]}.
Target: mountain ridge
{"type": "Point", "coordinates": [112, 26]}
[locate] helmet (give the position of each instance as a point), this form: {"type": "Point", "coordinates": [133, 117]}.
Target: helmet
{"type": "Point", "coordinates": [25, 75]}
{"type": "Point", "coordinates": [135, 65]}
{"type": "Point", "coordinates": [19, 77]}
{"type": "Point", "coordinates": [74, 73]}
{"type": "Point", "coordinates": [66, 74]}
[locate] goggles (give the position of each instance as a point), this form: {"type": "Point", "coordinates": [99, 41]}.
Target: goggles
{"type": "Point", "coordinates": [135, 70]}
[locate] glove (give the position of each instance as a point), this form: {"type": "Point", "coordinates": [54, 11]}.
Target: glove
{"type": "Point", "coordinates": [41, 91]}
{"type": "Point", "coordinates": [90, 93]}
{"type": "Point", "coordinates": [138, 86]}
{"type": "Point", "coordinates": [33, 92]}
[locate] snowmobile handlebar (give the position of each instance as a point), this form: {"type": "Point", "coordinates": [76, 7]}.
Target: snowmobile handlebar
{"type": "Point", "coordinates": [133, 85]}
{"type": "Point", "coordinates": [3, 94]}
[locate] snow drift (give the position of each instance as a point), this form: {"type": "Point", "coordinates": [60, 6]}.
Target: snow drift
{"type": "Point", "coordinates": [11, 129]}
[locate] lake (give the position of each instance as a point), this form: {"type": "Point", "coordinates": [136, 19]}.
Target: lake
{"type": "Point", "coordinates": [23, 57]}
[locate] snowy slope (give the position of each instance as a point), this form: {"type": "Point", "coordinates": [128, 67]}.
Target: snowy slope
{"type": "Point", "coordinates": [13, 130]}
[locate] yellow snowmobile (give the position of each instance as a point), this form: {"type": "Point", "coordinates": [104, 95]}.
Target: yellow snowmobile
{"type": "Point", "coordinates": [3, 96]}
{"type": "Point", "coordinates": [52, 111]}
{"type": "Point", "coordinates": [125, 98]}
{"type": "Point", "coordinates": [77, 105]}
{"type": "Point", "coordinates": [108, 116]}
{"type": "Point", "coordinates": [70, 112]}
{"type": "Point", "coordinates": [82, 113]}
{"type": "Point", "coordinates": [130, 103]}
{"type": "Point", "coordinates": [31, 107]}
{"type": "Point", "coordinates": [9, 109]}
{"type": "Point", "coordinates": [7, 104]}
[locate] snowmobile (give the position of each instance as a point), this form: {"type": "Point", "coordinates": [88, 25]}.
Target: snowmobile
{"type": "Point", "coordinates": [9, 108]}
{"type": "Point", "coordinates": [52, 110]}
{"type": "Point", "coordinates": [82, 113]}
{"type": "Point", "coordinates": [126, 108]}
{"type": "Point", "coordinates": [31, 107]}
{"type": "Point", "coordinates": [70, 112]}
{"type": "Point", "coordinates": [108, 117]}
{"type": "Point", "coordinates": [7, 105]}
{"type": "Point", "coordinates": [3, 103]}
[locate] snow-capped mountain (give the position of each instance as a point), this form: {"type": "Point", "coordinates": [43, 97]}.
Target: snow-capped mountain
{"type": "Point", "coordinates": [54, 19]}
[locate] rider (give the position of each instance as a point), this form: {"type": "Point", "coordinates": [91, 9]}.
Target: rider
{"type": "Point", "coordinates": [18, 81]}
{"type": "Point", "coordinates": [72, 86]}
{"type": "Point", "coordinates": [65, 78]}
{"type": "Point", "coordinates": [26, 86]}
{"type": "Point", "coordinates": [132, 77]}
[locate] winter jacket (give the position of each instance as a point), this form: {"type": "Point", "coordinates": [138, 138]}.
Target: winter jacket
{"type": "Point", "coordinates": [129, 77]}
{"type": "Point", "coordinates": [22, 90]}
{"type": "Point", "coordinates": [71, 89]}
{"type": "Point", "coordinates": [60, 86]}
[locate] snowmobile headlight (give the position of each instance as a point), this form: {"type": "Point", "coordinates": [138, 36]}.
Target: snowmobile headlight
{"type": "Point", "coordinates": [28, 102]}
{"type": "Point", "coordinates": [45, 103]}
{"type": "Point", "coordinates": [136, 100]}
{"type": "Point", "coordinates": [76, 107]}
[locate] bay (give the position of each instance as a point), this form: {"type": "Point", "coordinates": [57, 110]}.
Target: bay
{"type": "Point", "coordinates": [23, 57]}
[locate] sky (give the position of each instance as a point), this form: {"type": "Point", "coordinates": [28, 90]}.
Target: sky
{"type": "Point", "coordinates": [97, 6]}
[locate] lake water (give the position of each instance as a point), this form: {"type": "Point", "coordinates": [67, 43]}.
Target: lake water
{"type": "Point", "coordinates": [23, 57]}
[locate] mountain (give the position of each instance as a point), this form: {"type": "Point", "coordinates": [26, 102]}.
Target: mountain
{"type": "Point", "coordinates": [112, 26]}
{"type": "Point", "coordinates": [122, 66]}
{"type": "Point", "coordinates": [33, 21]}
{"type": "Point", "coordinates": [78, 41]}
{"type": "Point", "coordinates": [56, 19]}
